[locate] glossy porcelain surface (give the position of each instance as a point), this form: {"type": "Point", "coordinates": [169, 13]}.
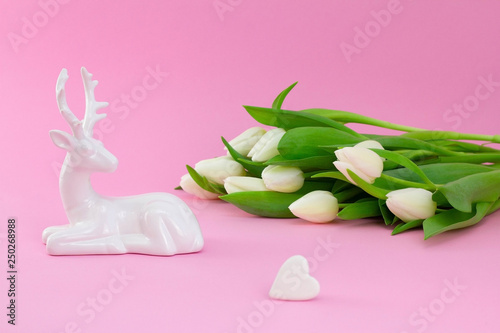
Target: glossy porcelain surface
{"type": "Point", "coordinates": [293, 281]}
{"type": "Point", "coordinates": [153, 223]}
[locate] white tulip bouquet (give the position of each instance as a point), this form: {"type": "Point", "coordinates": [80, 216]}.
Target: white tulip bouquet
{"type": "Point", "coordinates": [312, 166]}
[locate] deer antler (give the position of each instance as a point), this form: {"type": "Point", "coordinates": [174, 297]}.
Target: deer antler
{"type": "Point", "coordinates": [71, 119]}
{"type": "Point", "coordinates": [91, 115]}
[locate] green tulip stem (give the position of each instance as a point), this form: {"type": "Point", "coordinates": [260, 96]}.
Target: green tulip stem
{"type": "Point", "coordinates": [349, 117]}
{"type": "Point", "coordinates": [413, 132]}
{"type": "Point", "coordinates": [407, 183]}
{"type": "Point", "coordinates": [438, 135]}
{"type": "Point", "coordinates": [476, 158]}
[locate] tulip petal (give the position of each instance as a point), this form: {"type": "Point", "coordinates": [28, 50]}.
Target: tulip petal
{"type": "Point", "coordinates": [219, 168]}
{"type": "Point", "coordinates": [411, 204]}
{"type": "Point", "coordinates": [244, 142]}
{"type": "Point", "coordinates": [190, 186]}
{"type": "Point", "coordinates": [365, 160]}
{"type": "Point", "coordinates": [317, 206]}
{"type": "Point", "coordinates": [204, 183]}
{"type": "Point", "coordinates": [283, 178]}
{"type": "Point", "coordinates": [369, 144]}
{"type": "Point", "coordinates": [267, 146]}
{"type": "Point", "coordinates": [254, 168]}
{"type": "Point", "coordinates": [240, 184]}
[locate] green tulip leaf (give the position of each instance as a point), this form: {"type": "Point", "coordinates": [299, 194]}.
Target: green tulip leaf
{"type": "Point", "coordinates": [204, 183]}
{"type": "Point", "coordinates": [281, 97]}
{"type": "Point", "coordinates": [387, 215]}
{"type": "Point", "coordinates": [311, 185]}
{"type": "Point", "coordinates": [436, 135]}
{"type": "Point", "coordinates": [494, 207]}
{"type": "Point", "coordinates": [292, 119]}
{"type": "Point", "coordinates": [304, 142]}
{"type": "Point", "coordinates": [406, 226]}
{"type": "Point", "coordinates": [476, 158]}
{"type": "Point", "coordinates": [404, 161]}
{"type": "Point", "coordinates": [398, 142]}
{"type": "Point", "coordinates": [441, 200]}
{"type": "Point", "coordinates": [394, 143]}
{"type": "Point", "coordinates": [351, 192]}
{"type": "Point", "coordinates": [418, 156]}
{"type": "Point", "coordinates": [351, 117]}
{"type": "Point", "coordinates": [344, 190]}
{"type": "Point", "coordinates": [331, 174]}
{"type": "Point", "coordinates": [392, 183]}
{"type": "Point", "coordinates": [455, 219]}
{"type": "Point", "coordinates": [306, 164]}
{"type": "Point", "coordinates": [465, 146]}
{"type": "Point", "coordinates": [440, 173]}
{"type": "Point", "coordinates": [377, 192]}
{"type": "Point", "coordinates": [263, 203]}
{"type": "Point", "coordinates": [254, 168]}
{"type": "Point", "coordinates": [359, 210]}
{"type": "Point", "coordinates": [480, 187]}
{"type": "Point", "coordinates": [340, 184]}
{"type": "Point", "coordinates": [273, 204]}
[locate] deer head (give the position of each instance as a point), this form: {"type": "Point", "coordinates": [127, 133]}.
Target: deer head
{"type": "Point", "coordinates": [85, 152]}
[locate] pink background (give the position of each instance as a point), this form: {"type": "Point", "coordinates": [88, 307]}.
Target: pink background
{"type": "Point", "coordinates": [415, 66]}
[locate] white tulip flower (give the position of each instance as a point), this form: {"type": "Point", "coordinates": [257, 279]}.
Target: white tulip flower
{"type": "Point", "coordinates": [369, 144]}
{"type": "Point", "coordinates": [240, 184]}
{"type": "Point", "coordinates": [190, 186]}
{"type": "Point", "coordinates": [316, 206]}
{"type": "Point", "coordinates": [219, 168]}
{"type": "Point", "coordinates": [267, 146]}
{"type": "Point", "coordinates": [411, 204]}
{"type": "Point", "coordinates": [244, 142]}
{"type": "Point", "coordinates": [283, 178]}
{"type": "Point", "coordinates": [364, 162]}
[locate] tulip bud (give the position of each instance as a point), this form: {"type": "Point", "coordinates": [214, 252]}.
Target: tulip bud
{"type": "Point", "coordinates": [316, 206]}
{"type": "Point", "coordinates": [244, 142]}
{"type": "Point", "coordinates": [283, 178]}
{"type": "Point", "coordinates": [190, 186]}
{"type": "Point", "coordinates": [267, 146]}
{"type": "Point", "coordinates": [365, 163]}
{"type": "Point", "coordinates": [411, 204]}
{"type": "Point", "coordinates": [371, 144]}
{"type": "Point", "coordinates": [219, 168]}
{"type": "Point", "coordinates": [241, 184]}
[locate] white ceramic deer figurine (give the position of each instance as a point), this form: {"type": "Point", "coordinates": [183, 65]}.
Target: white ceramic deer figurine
{"type": "Point", "coordinates": [154, 223]}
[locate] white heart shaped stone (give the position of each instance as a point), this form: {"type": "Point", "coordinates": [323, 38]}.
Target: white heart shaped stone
{"type": "Point", "coordinates": [293, 282]}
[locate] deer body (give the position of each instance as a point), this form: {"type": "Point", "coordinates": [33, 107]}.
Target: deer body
{"type": "Point", "coordinates": [153, 223]}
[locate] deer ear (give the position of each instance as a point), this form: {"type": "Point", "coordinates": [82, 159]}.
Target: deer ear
{"type": "Point", "coordinates": [63, 140]}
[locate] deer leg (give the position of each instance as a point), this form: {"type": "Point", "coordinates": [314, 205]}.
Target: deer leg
{"type": "Point", "coordinates": [51, 230]}
{"type": "Point", "coordinates": [84, 238]}
{"type": "Point", "coordinates": [155, 238]}
{"type": "Point", "coordinates": [186, 238]}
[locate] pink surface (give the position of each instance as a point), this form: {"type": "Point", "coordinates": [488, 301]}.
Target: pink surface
{"type": "Point", "coordinates": [422, 65]}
